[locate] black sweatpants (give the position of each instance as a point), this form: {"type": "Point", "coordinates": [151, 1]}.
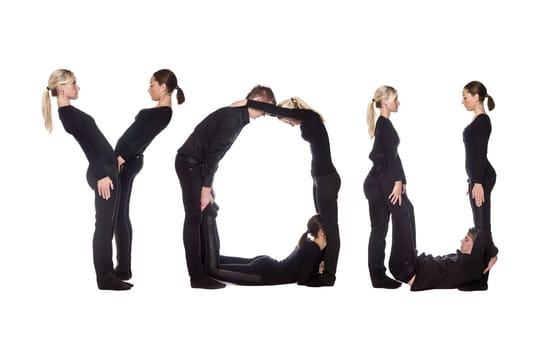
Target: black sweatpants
{"type": "Point", "coordinates": [123, 227]}
{"type": "Point", "coordinates": [325, 196]}
{"type": "Point", "coordinates": [377, 191]}
{"type": "Point", "coordinates": [106, 211]}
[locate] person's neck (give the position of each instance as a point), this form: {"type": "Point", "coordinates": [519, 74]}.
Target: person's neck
{"type": "Point", "coordinates": [165, 101]}
{"type": "Point", "coordinates": [62, 101]}
{"type": "Point", "coordinates": [385, 113]}
{"type": "Point", "coordinates": [478, 110]}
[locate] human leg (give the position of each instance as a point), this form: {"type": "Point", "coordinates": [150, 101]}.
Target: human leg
{"type": "Point", "coordinates": [379, 213]}
{"type": "Point", "coordinates": [190, 179]}
{"type": "Point", "coordinates": [326, 197]}
{"type": "Point", "coordinates": [123, 228]}
{"type": "Point", "coordinates": [106, 211]}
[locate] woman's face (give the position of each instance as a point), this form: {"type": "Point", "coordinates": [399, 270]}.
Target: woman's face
{"type": "Point", "coordinates": [155, 89]}
{"type": "Point", "coordinates": [466, 244]}
{"type": "Point", "coordinates": [392, 104]}
{"type": "Point", "coordinates": [469, 100]}
{"type": "Point", "coordinates": [290, 121]}
{"type": "Point", "coordinates": [70, 89]}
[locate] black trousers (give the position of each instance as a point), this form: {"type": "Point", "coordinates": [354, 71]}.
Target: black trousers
{"type": "Point", "coordinates": [123, 227]}
{"type": "Point", "coordinates": [236, 270]}
{"type": "Point", "coordinates": [325, 196]}
{"type": "Point", "coordinates": [106, 212]}
{"type": "Point", "coordinates": [377, 190]}
{"type": "Point", "coordinates": [482, 217]}
{"type": "Point", "coordinates": [191, 182]}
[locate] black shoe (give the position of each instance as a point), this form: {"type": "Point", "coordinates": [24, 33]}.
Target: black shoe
{"type": "Point", "coordinates": [474, 286]}
{"type": "Point", "coordinates": [207, 283]}
{"type": "Point", "coordinates": [385, 282]}
{"type": "Point", "coordinates": [123, 275]}
{"type": "Point", "coordinates": [324, 279]}
{"type": "Point", "coordinates": [113, 283]}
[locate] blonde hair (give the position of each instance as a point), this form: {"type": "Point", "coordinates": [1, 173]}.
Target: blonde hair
{"type": "Point", "coordinates": [297, 103]}
{"type": "Point", "coordinates": [383, 92]}
{"type": "Point", "coordinates": [58, 77]}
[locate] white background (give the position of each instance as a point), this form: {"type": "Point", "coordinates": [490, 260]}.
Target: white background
{"type": "Point", "coordinates": [332, 54]}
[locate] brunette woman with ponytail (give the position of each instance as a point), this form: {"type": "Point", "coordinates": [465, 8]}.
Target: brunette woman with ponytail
{"type": "Point", "coordinates": [481, 174]}
{"type": "Point", "coordinates": [302, 266]}
{"type": "Point", "coordinates": [129, 151]}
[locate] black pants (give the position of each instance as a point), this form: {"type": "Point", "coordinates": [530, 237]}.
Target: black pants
{"type": "Point", "coordinates": [325, 196]}
{"type": "Point", "coordinates": [106, 212]}
{"type": "Point", "coordinates": [237, 270]}
{"type": "Point", "coordinates": [377, 191]}
{"type": "Point", "coordinates": [191, 182]}
{"type": "Point", "coordinates": [123, 228]}
{"type": "Point", "coordinates": [482, 217]}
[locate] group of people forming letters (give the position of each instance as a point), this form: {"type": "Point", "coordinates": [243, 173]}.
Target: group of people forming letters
{"type": "Point", "coordinates": [314, 258]}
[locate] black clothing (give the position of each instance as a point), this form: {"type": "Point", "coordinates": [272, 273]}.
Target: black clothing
{"type": "Point", "coordinates": [300, 266]}
{"type": "Point", "coordinates": [131, 146]}
{"type": "Point", "coordinates": [386, 160]}
{"type": "Point", "coordinates": [475, 137]}
{"type": "Point", "coordinates": [439, 272]}
{"type": "Point", "coordinates": [386, 170]}
{"type": "Point", "coordinates": [146, 126]}
{"type": "Point", "coordinates": [326, 181]}
{"type": "Point", "coordinates": [312, 130]}
{"type": "Point", "coordinates": [195, 164]}
{"type": "Point", "coordinates": [95, 146]}
{"type": "Point", "coordinates": [213, 137]}
{"type": "Point", "coordinates": [102, 163]}
{"type": "Point", "coordinates": [380, 209]}
{"type": "Point", "coordinates": [479, 170]}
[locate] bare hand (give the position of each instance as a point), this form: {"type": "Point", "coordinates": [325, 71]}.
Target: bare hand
{"type": "Point", "coordinates": [105, 185]}
{"type": "Point", "coordinates": [395, 196]}
{"type": "Point", "coordinates": [120, 162]}
{"type": "Point", "coordinates": [478, 194]}
{"type": "Point", "coordinates": [491, 264]}
{"type": "Point", "coordinates": [321, 266]}
{"type": "Point", "coordinates": [240, 103]}
{"type": "Point", "coordinates": [206, 198]}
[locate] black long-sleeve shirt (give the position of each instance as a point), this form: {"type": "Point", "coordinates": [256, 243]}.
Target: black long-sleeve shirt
{"type": "Point", "coordinates": [384, 155]}
{"type": "Point", "coordinates": [476, 136]}
{"type": "Point", "coordinates": [313, 131]}
{"type": "Point", "coordinates": [146, 126]}
{"type": "Point", "coordinates": [213, 137]}
{"type": "Point", "coordinates": [94, 144]}
{"type": "Point", "coordinates": [452, 270]}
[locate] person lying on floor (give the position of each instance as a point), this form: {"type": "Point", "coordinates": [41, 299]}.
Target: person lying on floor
{"type": "Point", "coordinates": [302, 266]}
{"type": "Point", "coordinates": [456, 270]}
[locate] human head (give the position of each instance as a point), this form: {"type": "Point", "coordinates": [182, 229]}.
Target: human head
{"type": "Point", "coordinates": [167, 77]}
{"type": "Point", "coordinates": [314, 230]}
{"type": "Point", "coordinates": [58, 78]}
{"type": "Point", "coordinates": [292, 103]}
{"type": "Point", "coordinates": [468, 241]}
{"type": "Point", "coordinates": [474, 94]}
{"type": "Point", "coordinates": [262, 94]}
{"type": "Point", "coordinates": [385, 98]}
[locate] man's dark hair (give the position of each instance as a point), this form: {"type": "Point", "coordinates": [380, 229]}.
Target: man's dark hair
{"type": "Point", "coordinates": [263, 92]}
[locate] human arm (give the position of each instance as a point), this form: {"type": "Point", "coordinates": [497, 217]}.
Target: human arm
{"type": "Point", "coordinates": [206, 197]}
{"type": "Point", "coordinates": [310, 255]}
{"type": "Point", "coordinates": [271, 109]}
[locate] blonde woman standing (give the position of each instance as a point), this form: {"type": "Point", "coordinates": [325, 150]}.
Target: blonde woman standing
{"type": "Point", "coordinates": [101, 175]}
{"type": "Point", "coordinates": [384, 186]}
{"type": "Point", "coordinates": [326, 181]}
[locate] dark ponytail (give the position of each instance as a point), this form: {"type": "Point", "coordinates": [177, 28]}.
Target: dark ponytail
{"type": "Point", "coordinates": [313, 226]}
{"type": "Point", "coordinates": [167, 77]}
{"type": "Point", "coordinates": [477, 88]}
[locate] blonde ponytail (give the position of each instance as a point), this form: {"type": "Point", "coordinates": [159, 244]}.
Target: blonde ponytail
{"type": "Point", "coordinates": [58, 77]}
